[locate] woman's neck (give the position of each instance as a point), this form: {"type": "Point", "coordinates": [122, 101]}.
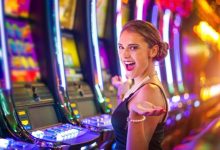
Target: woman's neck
{"type": "Point", "coordinates": [150, 71]}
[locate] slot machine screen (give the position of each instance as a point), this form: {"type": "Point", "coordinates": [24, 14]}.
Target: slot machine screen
{"type": "Point", "coordinates": [71, 59]}
{"type": "Point", "coordinates": [67, 13]}
{"type": "Point", "coordinates": [86, 108]}
{"type": "Point", "coordinates": [24, 63]}
{"type": "Point", "coordinates": [42, 116]}
{"type": "Point", "coordinates": [19, 8]}
{"type": "Point", "coordinates": [101, 13]}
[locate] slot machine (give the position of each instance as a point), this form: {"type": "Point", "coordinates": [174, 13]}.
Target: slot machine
{"type": "Point", "coordinates": [170, 71]}
{"type": "Point", "coordinates": [13, 144]}
{"type": "Point", "coordinates": [168, 21]}
{"type": "Point", "coordinates": [109, 64]}
{"type": "Point", "coordinates": [7, 140]}
{"type": "Point", "coordinates": [84, 94]}
{"type": "Point", "coordinates": [35, 85]}
{"type": "Point", "coordinates": [9, 135]}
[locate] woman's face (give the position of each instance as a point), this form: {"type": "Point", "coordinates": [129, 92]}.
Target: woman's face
{"type": "Point", "coordinates": [134, 54]}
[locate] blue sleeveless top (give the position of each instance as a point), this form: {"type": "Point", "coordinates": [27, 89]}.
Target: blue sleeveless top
{"type": "Point", "coordinates": [119, 123]}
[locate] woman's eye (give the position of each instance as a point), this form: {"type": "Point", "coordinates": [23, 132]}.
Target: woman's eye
{"type": "Point", "coordinates": [132, 48]}
{"type": "Point", "coordinates": [120, 47]}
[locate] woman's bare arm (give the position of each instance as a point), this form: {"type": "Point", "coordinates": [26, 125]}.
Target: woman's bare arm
{"type": "Point", "coordinates": [140, 133]}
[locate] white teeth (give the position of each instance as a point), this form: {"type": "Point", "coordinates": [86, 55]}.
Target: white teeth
{"type": "Point", "coordinates": [128, 63]}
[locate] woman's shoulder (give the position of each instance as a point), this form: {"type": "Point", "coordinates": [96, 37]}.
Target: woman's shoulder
{"type": "Point", "coordinates": [149, 92]}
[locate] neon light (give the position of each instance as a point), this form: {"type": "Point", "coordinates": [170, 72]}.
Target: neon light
{"type": "Point", "coordinates": [209, 92]}
{"type": "Point", "coordinates": [3, 102]}
{"type": "Point", "coordinates": [118, 30]}
{"type": "Point", "coordinates": [177, 59]}
{"type": "Point", "coordinates": [168, 64]}
{"type": "Point", "coordinates": [95, 43]}
{"type": "Point", "coordinates": [4, 50]}
{"type": "Point", "coordinates": [139, 10]}
{"type": "Point", "coordinates": [59, 46]}
{"type": "Point", "coordinates": [196, 103]}
{"type": "Point", "coordinates": [177, 20]}
{"type": "Point", "coordinates": [207, 33]}
{"type": "Point", "coordinates": [178, 117]}
{"type": "Point", "coordinates": [93, 145]}
{"type": "Point", "coordinates": [176, 38]}
{"type": "Point", "coordinates": [154, 21]}
{"type": "Point", "coordinates": [175, 99]}
{"type": "Point", "coordinates": [154, 17]}
{"type": "Point", "coordinates": [100, 97]}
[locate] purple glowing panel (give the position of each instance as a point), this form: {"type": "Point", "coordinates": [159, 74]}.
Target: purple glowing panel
{"type": "Point", "coordinates": [104, 57]}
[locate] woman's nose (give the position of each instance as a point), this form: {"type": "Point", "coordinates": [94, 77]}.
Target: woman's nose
{"type": "Point", "coordinates": [126, 53]}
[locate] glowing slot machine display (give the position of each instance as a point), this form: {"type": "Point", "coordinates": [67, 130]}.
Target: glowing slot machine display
{"type": "Point", "coordinates": [71, 60]}
{"type": "Point", "coordinates": [24, 62]}
{"type": "Point", "coordinates": [107, 50]}
{"type": "Point", "coordinates": [78, 67]}
{"type": "Point", "coordinates": [6, 141]}
{"type": "Point", "coordinates": [40, 106]}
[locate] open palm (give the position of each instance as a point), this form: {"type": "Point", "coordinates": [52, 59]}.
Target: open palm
{"type": "Point", "coordinates": [147, 109]}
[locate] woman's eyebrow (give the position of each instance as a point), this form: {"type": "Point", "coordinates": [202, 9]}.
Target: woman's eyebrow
{"type": "Point", "coordinates": [133, 44]}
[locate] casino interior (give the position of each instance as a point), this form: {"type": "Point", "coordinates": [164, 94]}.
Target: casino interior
{"type": "Point", "coordinates": [57, 58]}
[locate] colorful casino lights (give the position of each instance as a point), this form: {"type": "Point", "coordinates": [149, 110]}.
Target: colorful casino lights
{"type": "Point", "coordinates": [166, 20]}
{"type": "Point", "coordinates": [182, 7]}
{"type": "Point", "coordinates": [210, 92]}
{"type": "Point", "coordinates": [4, 53]}
{"type": "Point", "coordinates": [207, 33]}
{"type": "Point", "coordinates": [58, 40]}
{"type": "Point", "coordinates": [139, 6]}
{"type": "Point", "coordinates": [95, 44]}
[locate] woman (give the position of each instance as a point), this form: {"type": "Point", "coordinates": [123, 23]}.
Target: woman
{"type": "Point", "coordinates": [139, 118]}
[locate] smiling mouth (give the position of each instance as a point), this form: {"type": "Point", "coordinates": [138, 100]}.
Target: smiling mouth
{"type": "Point", "coordinates": [129, 66]}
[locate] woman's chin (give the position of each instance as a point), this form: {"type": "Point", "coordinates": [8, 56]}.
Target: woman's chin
{"type": "Point", "coordinates": [129, 76]}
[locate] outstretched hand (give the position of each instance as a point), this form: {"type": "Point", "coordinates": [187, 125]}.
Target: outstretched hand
{"type": "Point", "coordinates": [116, 81]}
{"type": "Point", "coordinates": [147, 109]}
{"type": "Point", "coordinates": [121, 86]}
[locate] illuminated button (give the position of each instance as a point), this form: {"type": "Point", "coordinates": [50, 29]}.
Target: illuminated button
{"type": "Point", "coordinates": [107, 100]}
{"type": "Point", "coordinates": [4, 143]}
{"type": "Point", "coordinates": [21, 113]}
{"type": "Point", "coordinates": [108, 110]}
{"type": "Point", "coordinates": [38, 134]}
{"type": "Point", "coordinates": [73, 105]}
{"type": "Point", "coordinates": [76, 112]}
{"type": "Point", "coordinates": [106, 116]}
{"type": "Point", "coordinates": [109, 105]}
{"type": "Point", "coordinates": [50, 130]}
{"type": "Point", "coordinates": [27, 127]}
{"type": "Point", "coordinates": [25, 122]}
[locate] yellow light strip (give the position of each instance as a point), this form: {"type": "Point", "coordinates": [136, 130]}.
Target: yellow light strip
{"type": "Point", "coordinates": [207, 33]}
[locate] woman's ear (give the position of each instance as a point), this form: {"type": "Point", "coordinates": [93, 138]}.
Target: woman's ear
{"type": "Point", "coordinates": [153, 51]}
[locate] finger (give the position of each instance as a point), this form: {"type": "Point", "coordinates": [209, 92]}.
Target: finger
{"type": "Point", "coordinates": [118, 78]}
{"type": "Point", "coordinates": [154, 112]}
{"type": "Point", "coordinates": [146, 111]}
